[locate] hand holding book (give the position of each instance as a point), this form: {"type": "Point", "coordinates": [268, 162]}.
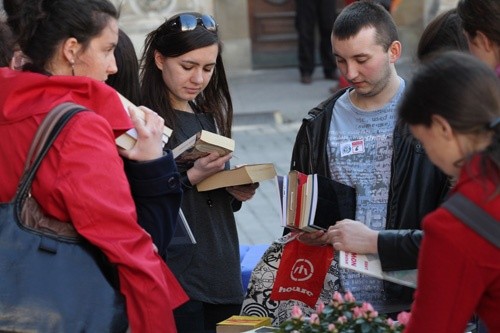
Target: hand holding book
{"type": "Point", "coordinates": [128, 139]}
{"type": "Point", "coordinates": [149, 144]}
{"type": "Point", "coordinates": [243, 192]}
{"type": "Point", "coordinates": [206, 166]}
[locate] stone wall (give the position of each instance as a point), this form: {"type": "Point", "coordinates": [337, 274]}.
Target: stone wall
{"type": "Point", "coordinates": [412, 16]}
{"type": "Point", "coordinates": [139, 17]}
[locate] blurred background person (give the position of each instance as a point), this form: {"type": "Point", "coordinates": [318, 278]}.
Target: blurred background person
{"type": "Point", "coordinates": [481, 22]}
{"type": "Point", "coordinates": [443, 33]}
{"type": "Point", "coordinates": [310, 14]}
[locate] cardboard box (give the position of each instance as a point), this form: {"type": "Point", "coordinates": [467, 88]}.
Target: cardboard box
{"type": "Point", "coordinates": [237, 324]}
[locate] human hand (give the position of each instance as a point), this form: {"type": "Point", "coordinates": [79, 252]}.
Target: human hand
{"type": "Point", "coordinates": [149, 145]}
{"type": "Point", "coordinates": [353, 236]}
{"type": "Point", "coordinates": [315, 238]}
{"type": "Point", "coordinates": [207, 166]}
{"type": "Point", "coordinates": [243, 192]}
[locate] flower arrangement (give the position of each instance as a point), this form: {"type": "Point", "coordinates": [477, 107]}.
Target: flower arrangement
{"type": "Point", "coordinates": [343, 315]}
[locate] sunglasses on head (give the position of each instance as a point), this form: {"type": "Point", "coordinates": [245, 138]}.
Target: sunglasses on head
{"type": "Point", "coordinates": [189, 22]}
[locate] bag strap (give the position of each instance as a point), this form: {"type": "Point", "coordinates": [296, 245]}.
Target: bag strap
{"type": "Point", "coordinates": [45, 135]}
{"type": "Point", "coordinates": [474, 217]}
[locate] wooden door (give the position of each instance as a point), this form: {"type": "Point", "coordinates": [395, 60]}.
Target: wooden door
{"type": "Point", "coordinates": [273, 34]}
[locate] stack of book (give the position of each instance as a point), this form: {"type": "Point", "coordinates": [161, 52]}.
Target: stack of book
{"type": "Point", "coordinates": [313, 202]}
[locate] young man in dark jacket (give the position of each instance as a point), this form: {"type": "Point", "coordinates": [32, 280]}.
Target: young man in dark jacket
{"type": "Point", "coordinates": [354, 138]}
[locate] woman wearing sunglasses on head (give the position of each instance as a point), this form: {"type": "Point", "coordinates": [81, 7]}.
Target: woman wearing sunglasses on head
{"type": "Point", "coordinates": [183, 79]}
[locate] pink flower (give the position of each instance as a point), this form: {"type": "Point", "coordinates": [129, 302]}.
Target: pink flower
{"type": "Point", "coordinates": [314, 319]}
{"type": "Point", "coordinates": [331, 327]}
{"type": "Point", "coordinates": [367, 307]}
{"type": "Point", "coordinates": [357, 312]}
{"type": "Point", "coordinates": [404, 317]}
{"type": "Point", "coordinates": [296, 312]}
{"type": "Point", "coordinates": [342, 320]}
{"type": "Point", "coordinates": [337, 297]}
{"type": "Point", "coordinates": [320, 307]}
{"type": "Point", "coordinates": [390, 322]}
{"type": "Point", "coordinates": [349, 297]}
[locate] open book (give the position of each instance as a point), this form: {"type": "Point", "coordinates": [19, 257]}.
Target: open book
{"type": "Point", "coordinates": [127, 140]}
{"type": "Point", "coordinates": [202, 144]}
{"type": "Point", "coordinates": [245, 174]}
{"type": "Point", "coordinates": [369, 264]}
{"type": "Point", "coordinates": [313, 202]}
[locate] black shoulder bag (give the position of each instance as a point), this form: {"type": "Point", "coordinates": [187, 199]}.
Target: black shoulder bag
{"type": "Point", "coordinates": [51, 279]}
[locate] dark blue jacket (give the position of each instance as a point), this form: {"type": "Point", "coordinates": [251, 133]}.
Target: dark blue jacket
{"type": "Point", "coordinates": [157, 194]}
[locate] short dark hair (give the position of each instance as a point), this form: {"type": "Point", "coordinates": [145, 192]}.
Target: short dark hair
{"type": "Point", "coordinates": [443, 33]}
{"type": "Point", "coordinates": [39, 26]}
{"type": "Point", "coordinates": [363, 14]}
{"type": "Point", "coordinates": [481, 15]}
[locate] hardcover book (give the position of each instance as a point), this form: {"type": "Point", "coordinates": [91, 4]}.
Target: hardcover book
{"type": "Point", "coordinates": [245, 174]}
{"type": "Point", "coordinates": [127, 140]}
{"type": "Point", "coordinates": [202, 144]}
{"type": "Point", "coordinates": [369, 264]}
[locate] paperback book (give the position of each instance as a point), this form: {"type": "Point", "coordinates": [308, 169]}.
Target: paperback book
{"type": "Point", "coordinates": [245, 174]}
{"type": "Point", "coordinates": [128, 139]}
{"type": "Point", "coordinates": [202, 144]}
{"type": "Point", "coordinates": [369, 264]}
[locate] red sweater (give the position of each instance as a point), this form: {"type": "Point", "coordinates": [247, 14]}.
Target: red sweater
{"type": "Point", "coordinates": [459, 271]}
{"type": "Point", "coordinates": [82, 180]}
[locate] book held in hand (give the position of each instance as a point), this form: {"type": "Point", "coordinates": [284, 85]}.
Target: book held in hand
{"type": "Point", "coordinates": [313, 202]}
{"type": "Point", "coordinates": [369, 264]}
{"type": "Point", "coordinates": [201, 144]}
{"type": "Point", "coordinates": [128, 139]}
{"type": "Point", "coordinates": [242, 175]}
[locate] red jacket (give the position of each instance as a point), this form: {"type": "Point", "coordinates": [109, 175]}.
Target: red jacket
{"type": "Point", "coordinates": [459, 271]}
{"type": "Point", "coordinates": [82, 180]}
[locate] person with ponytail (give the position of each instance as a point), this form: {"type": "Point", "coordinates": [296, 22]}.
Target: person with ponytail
{"type": "Point", "coordinates": [453, 107]}
{"type": "Point", "coordinates": [83, 180]}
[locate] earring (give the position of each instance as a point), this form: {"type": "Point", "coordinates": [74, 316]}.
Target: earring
{"type": "Point", "coordinates": [72, 63]}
